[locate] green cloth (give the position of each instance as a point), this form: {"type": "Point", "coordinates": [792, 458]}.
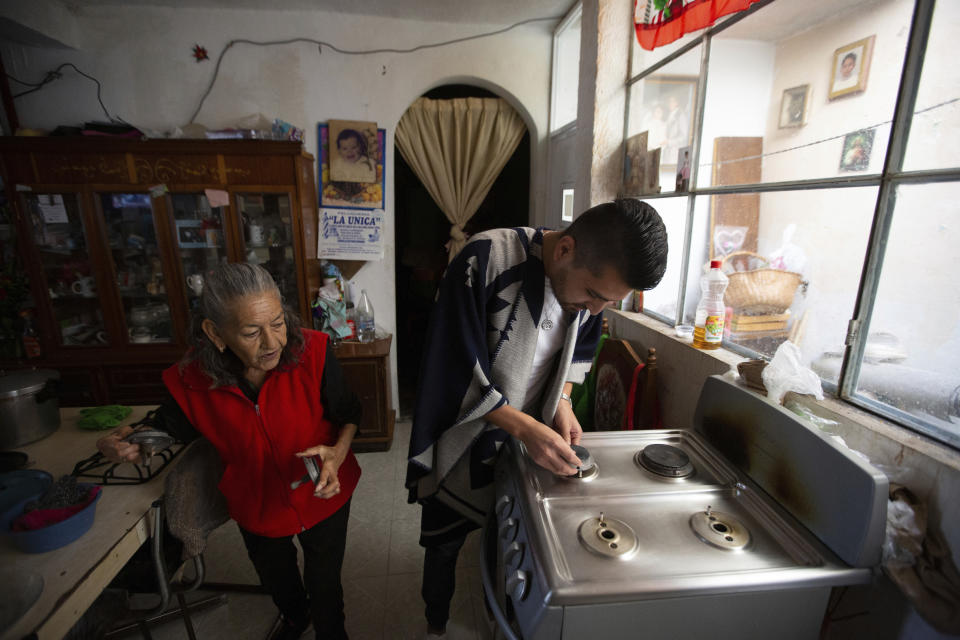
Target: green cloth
{"type": "Point", "coordinates": [582, 396]}
{"type": "Point", "coordinates": [105, 417]}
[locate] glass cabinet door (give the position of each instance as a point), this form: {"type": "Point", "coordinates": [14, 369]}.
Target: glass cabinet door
{"type": "Point", "coordinates": [199, 239]}
{"type": "Point", "coordinates": [60, 237]}
{"type": "Point", "coordinates": [268, 239]}
{"type": "Point", "coordinates": [132, 235]}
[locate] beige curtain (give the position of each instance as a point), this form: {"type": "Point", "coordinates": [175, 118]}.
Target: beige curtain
{"type": "Point", "coordinates": [457, 148]}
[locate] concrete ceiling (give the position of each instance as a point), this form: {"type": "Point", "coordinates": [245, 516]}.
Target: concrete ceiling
{"type": "Point", "coordinates": [457, 11]}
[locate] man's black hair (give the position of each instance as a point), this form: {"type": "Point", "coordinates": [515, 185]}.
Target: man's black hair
{"type": "Point", "coordinates": [625, 234]}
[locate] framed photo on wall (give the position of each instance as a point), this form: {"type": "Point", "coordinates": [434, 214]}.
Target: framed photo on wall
{"type": "Point", "coordinates": [793, 107]}
{"type": "Point", "coordinates": [851, 66]}
{"type": "Point", "coordinates": [349, 195]}
{"type": "Point", "coordinates": [667, 114]}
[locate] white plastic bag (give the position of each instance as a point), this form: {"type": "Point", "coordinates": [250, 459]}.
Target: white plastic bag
{"type": "Point", "coordinates": [787, 373]}
{"type": "Point", "coordinates": [789, 257]}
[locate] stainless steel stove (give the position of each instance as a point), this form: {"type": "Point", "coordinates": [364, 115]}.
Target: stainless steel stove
{"type": "Point", "coordinates": [739, 527]}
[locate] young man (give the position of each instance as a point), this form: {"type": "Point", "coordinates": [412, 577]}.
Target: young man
{"type": "Point", "coordinates": [515, 324]}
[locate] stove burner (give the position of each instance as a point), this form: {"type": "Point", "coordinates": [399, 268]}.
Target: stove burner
{"type": "Point", "coordinates": [588, 470]}
{"type": "Point", "coordinates": [665, 460]}
{"type": "Point", "coordinates": [720, 530]}
{"type": "Point", "coordinates": [608, 537]}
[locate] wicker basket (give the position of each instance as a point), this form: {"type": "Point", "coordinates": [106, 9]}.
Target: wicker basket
{"type": "Point", "coordinates": [760, 291]}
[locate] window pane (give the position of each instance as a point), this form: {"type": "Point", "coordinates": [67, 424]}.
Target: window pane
{"type": "Point", "coordinates": [663, 298]}
{"type": "Point", "coordinates": [643, 58]}
{"type": "Point", "coordinates": [935, 132]}
{"type": "Point", "coordinates": [661, 106]}
{"type": "Point", "coordinates": [199, 239]}
{"type": "Point", "coordinates": [913, 346]}
{"type": "Point", "coordinates": [566, 73]}
{"type": "Point", "coordinates": [778, 107]}
{"type": "Point", "coordinates": [770, 244]}
{"type": "Point", "coordinates": [61, 240]}
{"type": "Point", "coordinates": [268, 240]}
{"type": "Point", "coordinates": [136, 261]}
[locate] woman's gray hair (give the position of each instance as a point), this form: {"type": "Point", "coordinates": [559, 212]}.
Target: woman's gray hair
{"type": "Point", "coordinates": [222, 287]}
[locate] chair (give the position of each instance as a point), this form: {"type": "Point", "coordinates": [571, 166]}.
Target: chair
{"type": "Point", "coordinates": [626, 388]}
{"type": "Point", "coordinates": [192, 507]}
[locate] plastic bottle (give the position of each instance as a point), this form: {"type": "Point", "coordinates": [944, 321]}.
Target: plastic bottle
{"type": "Point", "coordinates": [708, 325]}
{"type": "Point", "coordinates": [366, 329]}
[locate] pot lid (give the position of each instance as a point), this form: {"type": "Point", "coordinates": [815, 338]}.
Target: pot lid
{"type": "Point", "coordinates": [21, 383]}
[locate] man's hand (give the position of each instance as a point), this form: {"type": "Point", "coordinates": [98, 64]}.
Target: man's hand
{"type": "Point", "coordinates": [547, 448]}
{"type": "Point", "coordinates": [566, 424]}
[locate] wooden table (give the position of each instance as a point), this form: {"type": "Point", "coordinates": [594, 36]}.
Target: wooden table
{"type": "Point", "coordinates": [74, 575]}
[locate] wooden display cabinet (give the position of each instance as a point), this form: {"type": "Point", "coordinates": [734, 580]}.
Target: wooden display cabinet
{"type": "Point", "coordinates": [366, 367]}
{"type": "Point", "coordinates": [115, 236]}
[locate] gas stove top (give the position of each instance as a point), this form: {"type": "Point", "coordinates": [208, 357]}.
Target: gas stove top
{"type": "Point", "coordinates": [626, 532]}
{"type": "Point", "coordinates": [751, 508]}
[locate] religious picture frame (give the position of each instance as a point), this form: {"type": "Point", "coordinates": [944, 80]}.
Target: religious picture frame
{"type": "Point", "coordinates": [634, 161]}
{"type": "Point", "coordinates": [349, 195]}
{"type": "Point", "coordinates": [793, 107]}
{"type": "Point", "coordinates": [851, 68]}
{"type": "Point", "coordinates": [651, 176]}
{"type": "Point", "coordinates": [857, 146]}
{"type": "Point", "coordinates": [683, 169]}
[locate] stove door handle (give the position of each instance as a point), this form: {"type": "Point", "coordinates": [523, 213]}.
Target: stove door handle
{"type": "Point", "coordinates": [488, 550]}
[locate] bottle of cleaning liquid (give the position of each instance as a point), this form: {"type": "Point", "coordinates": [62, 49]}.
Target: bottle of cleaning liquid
{"type": "Point", "coordinates": [708, 325]}
{"type": "Point", "coordinates": [366, 329]}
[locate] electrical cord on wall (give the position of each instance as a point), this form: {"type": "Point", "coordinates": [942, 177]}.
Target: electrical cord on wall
{"type": "Point", "coordinates": [347, 52]}
{"type": "Point", "coordinates": [50, 76]}
{"type": "Point", "coordinates": [56, 75]}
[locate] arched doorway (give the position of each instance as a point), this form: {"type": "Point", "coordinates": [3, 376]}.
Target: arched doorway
{"type": "Point", "coordinates": [422, 231]}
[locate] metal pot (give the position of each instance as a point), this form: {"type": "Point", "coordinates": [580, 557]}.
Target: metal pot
{"type": "Point", "coordinates": [29, 407]}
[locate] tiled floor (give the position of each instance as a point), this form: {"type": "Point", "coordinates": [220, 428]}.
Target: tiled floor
{"type": "Point", "coordinates": [381, 572]}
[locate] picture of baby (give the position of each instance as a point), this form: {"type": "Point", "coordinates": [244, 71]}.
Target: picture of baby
{"type": "Point", "coordinates": [351, 155]}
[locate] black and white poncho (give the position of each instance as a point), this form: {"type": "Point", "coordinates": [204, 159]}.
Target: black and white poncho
{"type": "Point", "coordinates": [478, 355]}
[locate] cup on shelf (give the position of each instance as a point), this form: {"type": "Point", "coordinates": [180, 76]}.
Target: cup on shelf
{"type": "Point", "coordinates": [84, 286]}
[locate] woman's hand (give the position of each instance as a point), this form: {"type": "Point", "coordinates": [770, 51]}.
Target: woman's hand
{"type": "Point", "coordinates": [566, 424]}
{"type": "Point", "coordinates": [115, 449]}
{"type": "Point", "coordinates": [328, 484]}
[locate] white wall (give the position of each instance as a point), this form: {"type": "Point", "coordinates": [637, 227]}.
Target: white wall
{"type": "Point", "coordinates": [142, 56]}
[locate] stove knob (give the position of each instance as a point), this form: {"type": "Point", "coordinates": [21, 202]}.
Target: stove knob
{"type": "Point", "coordinates": [518, 585]}
{"type": "Point", "coordinates": [508, 530]}
{"type": "Point", "coordinates": [513, 556]}
{"type": "Point", "coordinates": [504, 506]}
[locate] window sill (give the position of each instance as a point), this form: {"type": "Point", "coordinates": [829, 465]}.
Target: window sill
{"type": "Point", "coordinates": [887, 444]}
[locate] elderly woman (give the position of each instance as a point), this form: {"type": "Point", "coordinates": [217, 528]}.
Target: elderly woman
{"type": "Point", "coordinates": [267, 393]}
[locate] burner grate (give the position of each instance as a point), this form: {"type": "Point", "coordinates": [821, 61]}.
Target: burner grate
{"type": "Point", "coordinates": [105, 472]}
{"type": "Point", "coordinates": [665, 460]}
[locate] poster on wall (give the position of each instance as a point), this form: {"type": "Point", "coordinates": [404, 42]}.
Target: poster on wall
{"type": "Point", "coordinates": [356, 195]}
{"type": "Point", "coordinates": [350, 234]}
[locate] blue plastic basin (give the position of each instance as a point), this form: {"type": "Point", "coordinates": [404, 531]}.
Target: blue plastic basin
{"type": "Point", "coordinates": [48, 538]}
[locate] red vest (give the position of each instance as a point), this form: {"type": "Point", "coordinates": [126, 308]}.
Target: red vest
{"type": "Point", "coordinates": [257, 442]}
